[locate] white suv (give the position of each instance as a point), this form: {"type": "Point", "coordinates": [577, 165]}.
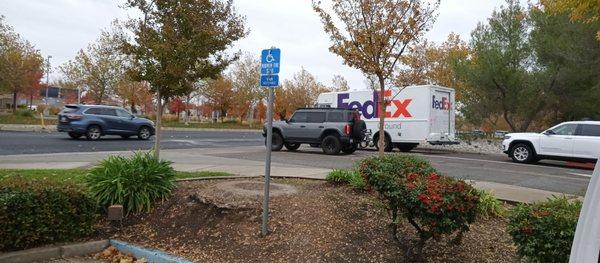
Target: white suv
{"type": "Point", "coordinates": [574, 140]}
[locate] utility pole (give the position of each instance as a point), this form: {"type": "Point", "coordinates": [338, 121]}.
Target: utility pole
{"type": "Point", "coordinates": [47, 77]}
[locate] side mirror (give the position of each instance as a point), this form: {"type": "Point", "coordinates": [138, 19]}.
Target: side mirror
{"type": "Point", "coordinates": [549, 132]}
{"type": "Point", "coordinates": [131, 117]}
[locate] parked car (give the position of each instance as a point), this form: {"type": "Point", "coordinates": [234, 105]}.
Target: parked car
{"type": "Point", "coordinates": [575, 141]}
{"type": "Point", "coordinates": [94, 121]}
{"type": "Point", "coordinates": [333, 130]}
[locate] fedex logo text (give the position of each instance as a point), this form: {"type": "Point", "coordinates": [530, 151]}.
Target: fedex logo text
{"type": "Point", "coordinates": [369, 108]}
{"type": "Point", "coordinates": [443, 104]}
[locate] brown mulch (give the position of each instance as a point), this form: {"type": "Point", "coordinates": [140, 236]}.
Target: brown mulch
{"type": "Point", "coordinates": [320, 223]}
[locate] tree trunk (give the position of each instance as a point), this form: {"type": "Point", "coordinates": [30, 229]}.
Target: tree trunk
{"type": "Point", "coordinates": [381, 112]}
{"type": "Point", "coordinates": [14, 106]}
{"type": "Point", "coordinates": [158, 126]}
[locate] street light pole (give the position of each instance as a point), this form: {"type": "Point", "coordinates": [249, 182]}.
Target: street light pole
{"type": "Point", "coordinates": [47, 77]}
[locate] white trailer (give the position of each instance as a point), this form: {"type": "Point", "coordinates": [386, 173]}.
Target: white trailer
{"type": "Point", "coordinates": [415, 114]}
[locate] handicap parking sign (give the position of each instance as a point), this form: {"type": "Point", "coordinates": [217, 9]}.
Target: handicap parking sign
{"type": "Point", "coordinates": [270, 61]}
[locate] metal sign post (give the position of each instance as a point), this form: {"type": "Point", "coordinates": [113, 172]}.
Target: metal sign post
{"type": "Point", "coordinates": [269, 78]}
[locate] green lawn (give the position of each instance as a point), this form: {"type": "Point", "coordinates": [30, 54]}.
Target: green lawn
{"type": "Point", "coordinates": [16, 119]}
{"type": "Point", "coordinates": [76, 175]}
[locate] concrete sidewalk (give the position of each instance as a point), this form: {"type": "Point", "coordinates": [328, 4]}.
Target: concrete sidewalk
{"type": "Point", "coordinates": [52, 128]}
{"type": "Point", "coordinates": [204, 160]}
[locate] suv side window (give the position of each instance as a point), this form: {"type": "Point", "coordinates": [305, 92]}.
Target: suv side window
{"type": "Point", "coordinates": [336, 116]}
{"type": "Point", "coordinates": [299, 116]}
{"type": "Point", "coordinates": [589, 130]}
{"type": "Point", "coordinates": [108, 112]}
{"type": "Point", "coordinates": [566, 129]}
{"type": "Point", "coordinates": [316, 117]}
{"type": "Point", "coordinates": [123, 113]}
{"type": "Point", "coordinates": [93, 111]}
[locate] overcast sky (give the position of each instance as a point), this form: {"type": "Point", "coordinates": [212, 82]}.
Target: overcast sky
{"type": "Point", "coordinates": [62, 27]}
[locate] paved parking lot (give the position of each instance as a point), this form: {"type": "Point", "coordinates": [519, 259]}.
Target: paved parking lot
{"type": "Point", "coordinates": [235, 148]}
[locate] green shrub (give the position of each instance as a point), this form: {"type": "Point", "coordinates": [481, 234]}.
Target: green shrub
{"type": "Point", "coordinates": [134, 182]}
{"type": "Point", "coordinates": [544, 231]}
{"type": "Point", "coordinates": [351, 177]}
{"type": "Point", "coordinates": [38, 212]}
{"type": "Point", "coordinates": [489, 205]}
{"type": "Point", "coordinates": [386, 173]}
{"type": "Point", "coordinates": [433, 204]}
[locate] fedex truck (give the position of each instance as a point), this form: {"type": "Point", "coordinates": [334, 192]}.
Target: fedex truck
{"type": "Point", "coordinates": [415, 114]}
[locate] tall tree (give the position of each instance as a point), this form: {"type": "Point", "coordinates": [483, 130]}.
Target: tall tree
{"type": "Point", "coordinates": [339, 83]}
{"type": "Point", "coordinates": [300, 91]}
{"type": "Point", "coordinates": [569, 51]}
{"type": "Point", "coordinates": [100, 68]}
{"type": "Point", "coordinates": [503, 69]}
{"type": "Point", "coordinates": [428, 63]}
{"type": "Point", "coordinates": [133, 93]}
{"type": "Point", "coordinates": [219, 95]}
{"type": "Point", "coordinates": [376, 35]}
{"type": "Point", "coordinates": [586, 11]}
{"type": "Point", "coordinates": [178, 42]}
{"type": "Point", "coordinates": [20, 64]}
{"type": "Point", "coordinates": [244, 76]}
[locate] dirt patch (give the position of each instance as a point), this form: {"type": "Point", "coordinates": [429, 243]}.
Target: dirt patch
{"type": "Point", "coordinates": [320, 223]}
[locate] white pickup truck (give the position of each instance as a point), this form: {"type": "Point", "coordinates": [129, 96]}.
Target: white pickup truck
{"type": "Point", "coordinates": [574, 140]}
{"type": "Point", "coordinates": [416, 114]}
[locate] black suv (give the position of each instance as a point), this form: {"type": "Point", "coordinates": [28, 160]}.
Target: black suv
{"type": "Point", "coordinates": [333, 130]}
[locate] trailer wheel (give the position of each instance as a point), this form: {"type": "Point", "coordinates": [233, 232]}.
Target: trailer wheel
{"type": "Point", "coordinates": [387, 141]}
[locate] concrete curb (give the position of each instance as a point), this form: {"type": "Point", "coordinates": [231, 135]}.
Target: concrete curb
{"type": "Point", "coordinates": [47, 253]}
{"type": "Point", "coordinates": [152, 255]}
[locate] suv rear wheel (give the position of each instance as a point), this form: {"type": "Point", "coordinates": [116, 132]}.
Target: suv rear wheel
{"type": "Point", "coordinates": [331, 145]}
{"type": "Point", "coordinates": [292, 146]}
{"type": "Point", "coordinates": [94, 132]}
{"type": "Point", "coordinates": [522, 153]}
{"type": "Point", "coordinates": [276, 142]}
{"type": "Point", "coordinates": [75, 135]}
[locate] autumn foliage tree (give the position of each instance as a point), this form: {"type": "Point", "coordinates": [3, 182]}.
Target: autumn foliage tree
{"type": "Point", "coordinates": [244, 76]}
{"type": "Point", "coordinates": [218, 94]}
{"type": "Point", "coordinates": [375, 35]}
{"type": "Point", "coordinates": [100, 68]}
{"type": "Point", "coordinates": [427, 63]}
{"type": "Point", "coordinates": [20, 64]}
{"type": "Point", "coordinates": [300, 91]}
{"type": "Point", "coordinates": [178, 42]}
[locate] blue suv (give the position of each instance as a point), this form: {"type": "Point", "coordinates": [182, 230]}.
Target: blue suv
{"type": "Point", "coordinates": [94, 121]}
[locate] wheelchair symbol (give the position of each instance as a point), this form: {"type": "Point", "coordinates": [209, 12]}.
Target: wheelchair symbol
{"type": "Point", "coordinates": [270, 58]}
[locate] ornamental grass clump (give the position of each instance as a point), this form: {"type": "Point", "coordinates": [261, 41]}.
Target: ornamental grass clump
{"type": "Point", "coordinates": [135, 182]}
{"type": "Point", "coordinates": [433, 204]}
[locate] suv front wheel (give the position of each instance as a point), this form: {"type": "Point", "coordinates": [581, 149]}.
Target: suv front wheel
{"type": "Point", "coordinates": [522, 153]}
{"type": "Point", "coordinates": [331, 145]}
{"type": "Point", "coordinates": [276, 142]}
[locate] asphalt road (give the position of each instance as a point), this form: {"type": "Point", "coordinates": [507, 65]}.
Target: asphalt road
{"type": "Point", "coordinates": [55, 142]}
{"type": "Point", "coordinates": [547, 175]}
